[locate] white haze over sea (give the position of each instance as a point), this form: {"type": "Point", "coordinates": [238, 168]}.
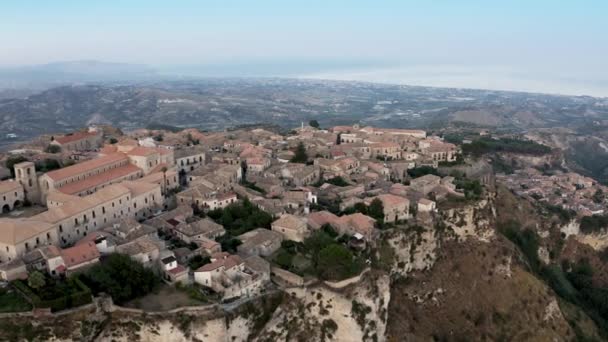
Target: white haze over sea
{"type": "Point", "coordinates": [476, 77]}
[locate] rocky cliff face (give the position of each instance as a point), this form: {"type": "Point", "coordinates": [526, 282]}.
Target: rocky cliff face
{"type": "Point", "coordinates": [315, 313]}
{"type": "Point", "coordinates": [476, 289]}
{"type": "Point", "coordinates": [474, 220]}
{"type": "Point", "coordinates": [357, 313]}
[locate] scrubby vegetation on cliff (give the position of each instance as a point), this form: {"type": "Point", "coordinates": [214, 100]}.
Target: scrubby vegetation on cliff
{"type": "Point", "coordinates": [482, 146]}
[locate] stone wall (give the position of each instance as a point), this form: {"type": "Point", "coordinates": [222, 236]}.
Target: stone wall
{"type": "Point", "coordinates": [346, 282]}
{"type": "Point", "coordinates": [286, 278]}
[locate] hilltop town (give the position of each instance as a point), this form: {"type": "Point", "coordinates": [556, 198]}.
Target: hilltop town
{"type": "Point", "coordinates": [153, 197]}
{"type": "Point", "coordinates": [303, 172]}
{"type": "Point", "coordinates": [230, 215]}
{"type": "Point", "coordinates": [158, 220]}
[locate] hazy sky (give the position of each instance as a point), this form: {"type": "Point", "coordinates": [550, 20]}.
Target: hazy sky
{"type": "Point", "coordinates": [564, 43]}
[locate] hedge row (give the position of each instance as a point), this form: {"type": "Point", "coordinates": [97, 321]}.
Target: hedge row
{"type": "Point", "coordinates": [71, 300]}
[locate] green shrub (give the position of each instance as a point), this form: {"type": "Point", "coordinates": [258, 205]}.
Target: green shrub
{"type": "Point", "coordinates": [422, 171]}
{"type": "Point", "coordinates": [52, 149]}
{"type": "Point", "coordinates": [47, 165]}
{"type": "Point", "coordinates": [472, 188]}
{"type": "Point", "coordinates": [594, 223]}
{"type": "Point", "coordinates": [197, 261]}
{"type": "Point", "coordinates": [337, 181]}
{"type": "Point", "coordinates": [300, 155]}
{"type": "Point", "coordinates": [239, 218]}
{"type": "Point", "coordinates": [121, 277]}
{"type": "Point", "coordinates": [58, 295]}
{"type": "Point", "coordinates": [11, 161]}
{"type": "Point", "coordinates": [336, 262]}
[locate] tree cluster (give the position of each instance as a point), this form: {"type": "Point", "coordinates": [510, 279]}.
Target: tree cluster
{"type": "Point", "coordinates": [375, 210]}
{"type": "Point", "coordinates": [300, 155]}
{"type": "Point", "coordinates": [47, 165]}
{"type": "Point", "coordinates": [329, 259]}
{"type": "Point", "coordinates": [12, 160]}
{"type": "Point", "coordinates": [239, 218]}
{"type": "Point", "coordinates": [314, 123]}
{"type": "Point", "coordinates": [509, 145]}
{"type": "Point", "coordinates": [52, 149]}
{"type": "Point", "coordinates": [594, 223]}
{"type": "Point", "coordinates": [337, 181]}
{"type": "Point", "coordinates": [121, 277]}
{"type": "Point", "coordinates": [422, 171]}
{"type": "Point", "coordinates": [472, 188]}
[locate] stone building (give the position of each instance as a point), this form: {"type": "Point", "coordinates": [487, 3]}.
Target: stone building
{"type": "Point", "coordinates": [292, 227]}
{"type": "Point", "coordinates": [188, 159]}
{"type": "Point", "coordinates": [89, 176]}
{"type": "Point", "coordinates": [193, 231]}
{"type": "Point", "coordinates": [389, 150]}
{"type": "Point", "coordinates": [11, 195]}
{"type": "Point", "coordinates": [25, 174]}
{"type": "Point", "coordinates": [396, 208]}
{"type": "Point", "coordinates": [69, 218]}
{"type": "Point", "coordinates": [260, 241]}
{"type": "Point", "coordinates": [231, 276]}
{"type": "Point", "coordinates": [79, 141]}
{"type": "Point", "coordinates": [204, 197]}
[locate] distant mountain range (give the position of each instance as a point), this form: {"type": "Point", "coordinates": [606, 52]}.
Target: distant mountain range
{"type": "Point", "coordinates": [219, 103]}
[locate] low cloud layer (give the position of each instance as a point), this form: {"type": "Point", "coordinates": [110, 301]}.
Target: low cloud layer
{"type": "Point", "coordinates": [493, 78]}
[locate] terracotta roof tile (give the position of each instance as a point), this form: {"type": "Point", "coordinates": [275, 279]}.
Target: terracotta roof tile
{"type": "Point", "coordinates": [80, 254]}
{"type": "Point", "coordinates": [102, 178]}
{"type": "Point", "coordinates": [88, 165]}
{"type": "Point", "coordinates": [142, 151]}
{"type": "Point", "coordinates": [227, 262]}
{"type": "Point", "coordinates": [13, 231]}
{"type": "Point", "coordinates": [8, 186]}
{"type": "Point", "coordinates": [74, 137]}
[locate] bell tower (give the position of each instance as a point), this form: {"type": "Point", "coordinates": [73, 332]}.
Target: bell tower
{"type": "Point", "coordinates": [25, 174]}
